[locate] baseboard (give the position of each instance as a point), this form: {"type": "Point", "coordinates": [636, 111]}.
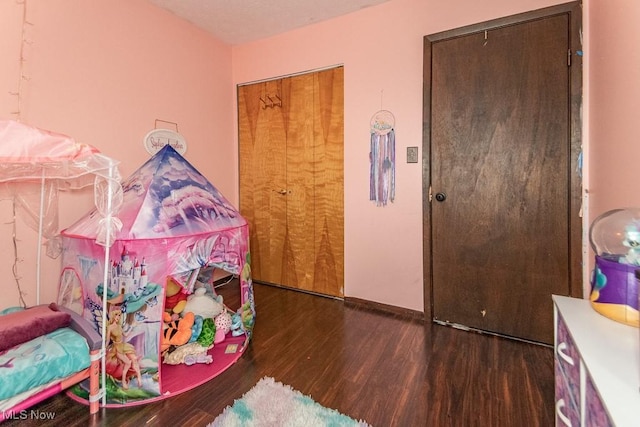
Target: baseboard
{"type": "Point", "coordinates": [363, 304]}
{"type": "Point", "coordinates": [404, 313]}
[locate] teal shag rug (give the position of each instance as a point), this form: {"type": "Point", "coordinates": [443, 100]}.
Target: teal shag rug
{"type": "Point", "coordinates": [270, 403]}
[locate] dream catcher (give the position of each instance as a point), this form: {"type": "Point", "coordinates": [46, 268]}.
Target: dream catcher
{"type": "Point", "coordinates": [382, 178]}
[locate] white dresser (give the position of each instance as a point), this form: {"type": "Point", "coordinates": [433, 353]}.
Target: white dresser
{"type": "Point", "coordinates": [597, 367]}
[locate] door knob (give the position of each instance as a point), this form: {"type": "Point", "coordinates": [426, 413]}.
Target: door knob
{"type": "Point", "coordinates": [283, 192]}
{"type": "Point", "coordinates": [441, 197]}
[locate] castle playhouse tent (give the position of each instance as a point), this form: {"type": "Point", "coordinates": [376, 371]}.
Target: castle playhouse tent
{"type": "Point", "coordinates": [175, 226]}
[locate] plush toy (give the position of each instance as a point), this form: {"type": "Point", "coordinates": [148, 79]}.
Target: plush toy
{"type": "Point", "coordinates": [203, 304]}
{"type": "Point", "coordinates": [208, 333]}
{"type": "Point", "coordinates": [188, 354]}
{"type": "Point", "coordinates": [175, 300]}
{"type": "Point", "coordinates": [236, 325]}
{"type": "Point", "coordinates": [176, 332]}
{"type": "Point", "coordinates": [192, 359]}
{"type": "Point", "coordinates": [223, 326]}
{"type": "Point", "coordinates": [196, 329]}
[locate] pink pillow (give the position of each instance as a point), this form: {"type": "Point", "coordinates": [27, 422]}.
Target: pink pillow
{"type": "Point", "coordinates": [22, 326]}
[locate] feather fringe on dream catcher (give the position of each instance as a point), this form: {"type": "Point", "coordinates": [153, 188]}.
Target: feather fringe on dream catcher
{"type": "Point", "coordinates": [382, 178]}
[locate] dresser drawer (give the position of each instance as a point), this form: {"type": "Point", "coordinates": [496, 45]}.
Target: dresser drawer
{"type": "Point", "coordinates": [567, 412]}
{"type": "Point", "coordinates": [568, 358]}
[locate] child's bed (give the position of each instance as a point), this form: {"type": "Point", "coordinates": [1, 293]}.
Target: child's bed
{"type": "Point", "coordinates": [62, 349]}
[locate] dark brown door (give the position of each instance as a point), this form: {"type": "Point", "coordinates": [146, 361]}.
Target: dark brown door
{"type": "Point", "coordinates": [500, 171]}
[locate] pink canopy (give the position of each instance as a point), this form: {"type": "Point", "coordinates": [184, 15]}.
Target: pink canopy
{"type": "Point", "coordinates": [30, 153]}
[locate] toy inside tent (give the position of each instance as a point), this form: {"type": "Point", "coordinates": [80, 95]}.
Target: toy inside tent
{"type": "Point", "coordinates": [177, 228]}
{"type": "Point", "coordinates": [35, 164]}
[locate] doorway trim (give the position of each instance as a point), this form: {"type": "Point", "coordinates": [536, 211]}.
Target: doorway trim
{"type": "Point", "coordinates": [574, 11]}
{"type": "Point", "coordinates": [268, 79]}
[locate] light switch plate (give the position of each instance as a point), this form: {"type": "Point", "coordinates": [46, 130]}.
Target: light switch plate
{"type": "Point", "coordinates": [412, 154]}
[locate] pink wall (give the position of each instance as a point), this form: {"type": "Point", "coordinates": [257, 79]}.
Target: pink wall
{"type": "Point", "coordinates": [103, 71]}
{"type": "Point", "coordinates": [381, 50]}
{"type": "Point", "coordinates": [612, 95]}
{"type": "Point", "coordinates": [614, 104]}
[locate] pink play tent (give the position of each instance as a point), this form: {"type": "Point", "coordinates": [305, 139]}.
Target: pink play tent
{"type": "Point", "coordinates": [175, 227]}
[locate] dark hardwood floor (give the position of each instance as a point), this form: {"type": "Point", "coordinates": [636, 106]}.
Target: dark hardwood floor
{"type": "Point", "coordinates": [379, 367]}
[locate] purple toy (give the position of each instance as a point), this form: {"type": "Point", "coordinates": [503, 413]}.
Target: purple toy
{"type": "Point", "coordinates": [615, 238]}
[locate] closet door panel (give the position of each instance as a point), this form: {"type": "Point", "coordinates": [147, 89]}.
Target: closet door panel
{"type": "Point", "coordinates": [262, 177]}
{"type": "Point", "coordinates": [297, 108]}
{"type": "Point", "coordinates": [328, 166]}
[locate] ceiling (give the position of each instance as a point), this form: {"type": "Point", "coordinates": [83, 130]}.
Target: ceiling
{"type": "Point", "coordinates": [241, 21]}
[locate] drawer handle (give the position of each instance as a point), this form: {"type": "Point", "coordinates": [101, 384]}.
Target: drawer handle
{"type": "Point", "coordinates": [562, 347]}
{"type": "Point", "coordinates": [563, 417]}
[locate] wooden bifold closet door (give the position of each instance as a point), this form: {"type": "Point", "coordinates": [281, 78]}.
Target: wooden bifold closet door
{"type": "Point", "coordinates": [291, 179]}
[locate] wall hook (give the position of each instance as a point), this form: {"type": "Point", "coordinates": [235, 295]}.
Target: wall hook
{"type": "Point", "coordinates": [270, 102]}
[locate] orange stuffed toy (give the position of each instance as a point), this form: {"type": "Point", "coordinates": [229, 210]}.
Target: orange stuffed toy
{"type": "Point", "coordinates": [176, 332]}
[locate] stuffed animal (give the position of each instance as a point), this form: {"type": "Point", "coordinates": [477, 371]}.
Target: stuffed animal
{"type": "Point", "coordinates": [196, 329]}
{"type": "Point", "coordinates": [176, 332]}
{"type": "Point", "coordinates": [188, 354]}
{"type": "Point", "coordinates": [208, 333]}
{"type": "Point", "coordinates": [175, 300]}
{"type": "Point", "coordinates": [236, 325]}
{"type": "Point", "coordinates": [192, 359]}
{"type": "Point", "coordinates": [223, 326]}
{"type": "Point", "coordinates": [203, 304]}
